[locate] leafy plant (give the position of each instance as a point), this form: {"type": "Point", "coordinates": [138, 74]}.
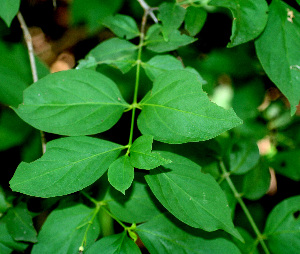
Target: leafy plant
{"type": "Point", "coordinates": [179, 178]}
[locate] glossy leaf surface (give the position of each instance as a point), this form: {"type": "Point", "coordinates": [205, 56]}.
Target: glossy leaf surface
{"type": "Point", "coordinates": [121, 174]}
{"type": "Point", "coordinates": [69, 164]}
{"type": "Point", "coordinates": [200, 204]}
{"type": "Point", "coordinates": [116, 244]}
{"type": "Point", "coordinates": [141, 155]}
{"type": "Point", "coordinates": [283, 227]}
{"type": "Point", "coordinates": [64, 229]}
{"type": "Point", "coordinates": [9, 10]}
{"type": "Point", "coordinates": [74, 102]}
{"type": "Point", "coordinates": [281, 61]}
{"type": "Point", "coordinates": [178, 111]}
{"type": "Point", "coordinates": [122, 26]}
{"type": "Point", "coordinates": [249, 18]}
{"type": "Point", "coordinates": [161, 235]}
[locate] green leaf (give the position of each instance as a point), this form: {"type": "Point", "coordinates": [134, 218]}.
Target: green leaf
{"type": "Point", "coordinates": [250, 245]}
{"type": "Point", "coordinates": [136, 206]}
{"type": "Point", "coordinates": [7, 243]}
{"type": "Point", "coordinates": [13, 131]}
{"type": "Point", "coordinates": [117, 244]}
{"type": "Point", "coordinates": [4, 205]}
{"type": "Point", "coordinates": [64, 230]}
{"type": "Point", "coordinates": [244, 155]}
{"type": "Point", "coordinates": [194, 20]}
{"type": "Point", "coordinates": [171, 16]}
{"type": "Point", "coordinates": [283, 227]}
{"type": "Point", "coordinates": [9, 10]}
{"type": "Point", "coordinates": [121, 174]}
{"type": "Point", "coordinates": [116, 52]}
{"type": "Point", "coordinates": [287, 163]}
{"type": "Point", "coordinates": [161, 63]}
{"type": "Point", "coordinates": [256, 182]}
{"type": "Point", "coordinates": [281, 61]}
{"type": "Point", "coordinates": [249, 18]}
{"type": "Point", "coordinates": [74, 102]}
{"type": "Point", "coordinates": [161, 235]}
{"type": "Point", "coordinates": [19, 224]}
{"type": "Point", "coordinates": [201, 203]}
{"type": "Point", "coordinates": [122, 26]}
{"type": "Point", "coordinates": [93, 12]}
{"type": "Point", "coordinates": [157, 43]}
{"type": "Point", "coordinates": [141, 156]}
{"type": "Point", "coordinates": [69, 164]}
{"type": "Point", "coordinates": [178, 111]}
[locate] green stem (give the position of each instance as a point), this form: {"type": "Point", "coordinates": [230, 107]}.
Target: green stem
{"type": "Point", "coordinates": [137, 78]}
{"type": "Point", "coordinates": [237, 195]}
{"type": "Point", "coordinates": [114, 217]}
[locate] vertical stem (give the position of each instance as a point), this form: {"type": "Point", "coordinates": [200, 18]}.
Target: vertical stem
{"type": "Point", "coordinates": [28, 41]}
{"type": "Point", "coordinates": [260, 237]}
{"type": "Point", "coordinates": [137, 77]}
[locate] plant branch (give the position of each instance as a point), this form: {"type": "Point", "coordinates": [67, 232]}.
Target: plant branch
{"type": "Point", "coordinates": [148, 9]}
{"type": "Point", "coordinates": [237, 195]}
{"type": "Point", "coordinates": [28, 40]}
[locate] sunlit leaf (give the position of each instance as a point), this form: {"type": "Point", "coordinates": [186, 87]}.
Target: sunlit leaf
{"type": "Point", "coordinates": [9, 10]}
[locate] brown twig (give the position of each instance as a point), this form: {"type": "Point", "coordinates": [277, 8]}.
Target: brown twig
{"type": "Point", "coordinates": [148, 9]}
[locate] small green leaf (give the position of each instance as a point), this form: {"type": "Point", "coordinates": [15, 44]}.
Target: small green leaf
{"type": "Point", "coordinates": [161, 235]}
{"type": "Point", "coordinates": [161, 63]}
{"type": "Point", "coordinates": [287, 163]}
{"type": "Point", "coordinates": [13, 131]}
{"type": "Point", "coordinates": [283, 227]}
{"type": "Point", "coordinates": [119, 243]}
{"type": "Point", "coordinates": [178, 111]}
{"type": "Point", "coordinates": [69, 164]}
{"type": "Point", "coordinates": [194, 20]}
{"type": "Point", "coordinates": [8, 10]}
{"type": "Point", "coordinates": [64, 230]}
{"type": "Point", "coordinates": [19, 224]}
{"type": "Point", "coordinates": [201, 203]}
{"type": "Point", "coordinates": [122, 26]}
{"type": "Point", "coordinates": [171, 16]}
{"type": "Point", "coordinates": [256, 182]}
{"type": "Point", "coordinates": [244, 155]}
{"type": "Point", "coordinates": [141, 156]}
{"type": "Point", "coordinates": [74, 102]}
{"type": "Point", "coordinates": [121, 174]}
{"type": "Point", "coordinates": [136, 206]}
{"type": "Point", "coordinates": [249, 18]}
{"type": "Point", "coordinates": [280, 60]}
{"type": "Point", "coordinates": [156, 42]}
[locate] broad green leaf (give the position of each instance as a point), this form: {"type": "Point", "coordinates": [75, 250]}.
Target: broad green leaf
{"type": "Point", "coordinates": [283, 227]}
{"type": "Point", "coordinates": [281, 61]}
{"type": "Point", "coordinates": [73, 102]}
{"type": "Point", "coordinates": [64, 230]}
{"type": "Point", "coordinates": [256, 182]}
{"type": "Point", "coordinates": [121, 174]}
{"type": "Point", "coordinates": [69, 164]}
{"type": "Point", "coordinates": [141, 156]}
{"type": "Point", "coordinates": [13, 131]}
{"type": "Point", "coordinates": [156, 42]}
{"type": "Point", "coordinates": [93, 12]}
{"type": "Point", "coordinates": [287, 163]}
{"type": "Point", "coordinates": [116, 52]}
{"type": "Point", "coordinates": [114, 244]}
{"type": "Point", "coordinates": [249, 18]}
{"type": "Point", "coordinates": [122, 26]}
{"type": "Point", "coordinates": [194, 20]}
{"type": "Point", "coordinates": [19, 224]}
{"type": "Point", "coordinates": [178, 111]}
{"type": "Point", "coordinates": [161, 235]}
{"type": "Point", "coordinates": [161, 63]}
{"type": "Point", "coordinates": [8, 10]}
{"type": "Point", "coordinates": [136, 206]}
{"type": "Point", "coordinates": [201, 203]}
{"type": "Point", "coordinates": [7, 243]}
{"type": "Point", "coordinates": [244, 155]}
{"type": "Point", "coordinates": [171, 16]}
